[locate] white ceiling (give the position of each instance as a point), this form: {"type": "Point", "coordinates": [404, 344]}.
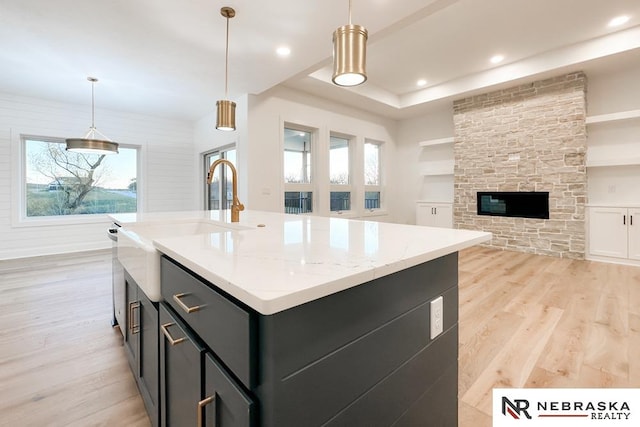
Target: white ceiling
{"type": "Point", "coordinates": [166, 57]}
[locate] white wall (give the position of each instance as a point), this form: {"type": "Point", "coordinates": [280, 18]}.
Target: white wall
{"type": "Point", "coordinates": [614, 90]}
{"type": "Point", "coordinates": [437, 122]}
{"type": "Point", "coordinates": [267, 114]}
{"type": "Point", "coordinates": [165, 179]}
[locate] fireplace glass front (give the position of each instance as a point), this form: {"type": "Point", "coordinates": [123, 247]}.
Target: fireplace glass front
{"type": "Point", "coordinates": [522, 204]}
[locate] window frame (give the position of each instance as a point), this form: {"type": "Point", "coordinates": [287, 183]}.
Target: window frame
{"type": "Point", "coordinates": [311, 186]}
{"type": "Point", "coordinates": [350, 187]}
{"type": "Point", "coordinates": [19, 214]}
{"type": "Point", "coordinates": [381, 179]}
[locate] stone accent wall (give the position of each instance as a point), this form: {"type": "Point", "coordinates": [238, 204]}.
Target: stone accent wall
{"type": "Point", "coordinates": [542, 124]}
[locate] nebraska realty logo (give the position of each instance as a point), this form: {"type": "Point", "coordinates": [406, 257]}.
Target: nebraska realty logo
{"type": "Point", "coordinates": [529, 407]}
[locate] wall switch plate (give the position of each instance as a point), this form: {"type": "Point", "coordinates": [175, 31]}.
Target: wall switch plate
{"type": "Point", "coordinates": [437, 317]}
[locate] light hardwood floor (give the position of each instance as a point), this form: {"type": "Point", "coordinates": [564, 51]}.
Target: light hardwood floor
{"type": "Point", "coordinates": [525, 321]}
{"type": "Point", "coordinates": [61, 362]}
{"type": "Point", "coordinates": [535, 321]}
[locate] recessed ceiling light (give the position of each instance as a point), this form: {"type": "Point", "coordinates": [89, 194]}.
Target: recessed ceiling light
{"type": "Point", "coordinates": [283, 51]}
{"type": "Point", "coordinates": [618, 20]}
{"type": "Point", "coordinates": [496, 59]}
{"type": "Point", "coordinates": [421, 82]}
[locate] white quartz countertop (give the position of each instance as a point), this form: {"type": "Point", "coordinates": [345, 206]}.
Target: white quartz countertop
{"type": "Point", "coordinates": [273, 262]}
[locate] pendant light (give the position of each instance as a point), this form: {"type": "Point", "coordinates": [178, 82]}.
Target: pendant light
{"type": "Point", "coordinates": [93, 142]}
{"type": "Point", "coordinates": [226, 114]}
{"type": "Point", "coordinates": [350, 54]}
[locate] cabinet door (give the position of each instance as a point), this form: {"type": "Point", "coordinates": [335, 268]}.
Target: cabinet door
{"type": "Point", "coordinates": [148, 357]}
{"type": "Point", "coordinates": [634, 233]}
{"type": "Point", "coordinates": [443, 216]}
{"type": "Point", "coordinates": [180, 372]}
{"type": "Point", "coordinates": [132, 323]}
{"type": "Point", "coordinates": [608, 232]}
{"type": "Point", "coordinates": [225, 403]}
{"type": "Point", "coordinates": [434, 214]}
{"type": "Point", "coordinates": [119, 295]}
{"type": "Point", "coordinates": [425, 215]}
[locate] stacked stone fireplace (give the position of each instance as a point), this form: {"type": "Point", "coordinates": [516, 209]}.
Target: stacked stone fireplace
{"type": "Point", "coordinates": [527, 138]}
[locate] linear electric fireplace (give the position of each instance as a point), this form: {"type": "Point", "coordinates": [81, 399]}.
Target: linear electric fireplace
{"type": "Point", "coordinates": [523, 204]}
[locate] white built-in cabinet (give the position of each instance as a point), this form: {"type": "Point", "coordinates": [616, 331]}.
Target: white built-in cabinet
{"type": "Point", "coordinates": [434, 214]}
{"type": "Point", "coordinates": [614, 232]}
{"type": "Point", "coordinates": [613, 173]}
{"type": "Point", "coordinates": [436, 164]}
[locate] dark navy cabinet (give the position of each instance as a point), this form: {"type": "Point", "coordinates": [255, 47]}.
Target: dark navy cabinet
{"type": "Point", "coordinates": [225, 403]}
{"type": "Point", "coordinates": [195, 388]}
{"type": "Point", "coordinates": [360, 357]}
{"type": "Point", "coordinates": [141, 345]}
{"type": "Point", "coordinates": [181, 356]}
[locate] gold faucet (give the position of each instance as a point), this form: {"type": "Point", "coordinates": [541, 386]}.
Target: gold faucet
{"type": "Point", "coordinates": [236, 206]}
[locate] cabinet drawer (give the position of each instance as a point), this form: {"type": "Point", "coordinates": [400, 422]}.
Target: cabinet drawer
{"type": "Point", "coordinates": [224, 326]}
{"type": "Point", "coordinates": [226, 404]}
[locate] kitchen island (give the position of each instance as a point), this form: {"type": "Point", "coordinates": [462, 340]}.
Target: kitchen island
{"type": "Point", "coordinates": [302, 320]}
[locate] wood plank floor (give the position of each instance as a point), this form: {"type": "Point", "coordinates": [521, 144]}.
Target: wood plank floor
{"type": "Point", "coordinates": [534, 321]}
{"type": "Point", "coordinates": [525, 321]}
{"type": "Point", "coordinates": [61, 362]}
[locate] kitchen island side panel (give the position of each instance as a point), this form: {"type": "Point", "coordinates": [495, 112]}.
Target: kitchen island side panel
{"type": "Point", "coordinates": [319, 359]}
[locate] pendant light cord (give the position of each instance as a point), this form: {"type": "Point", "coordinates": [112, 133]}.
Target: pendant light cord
{"type": "Point", "coordinates": [93, 125]}
{"type": "Point", "coordinates": [349, 12]}
{"type": "Point", "coordinates": [226, 64]}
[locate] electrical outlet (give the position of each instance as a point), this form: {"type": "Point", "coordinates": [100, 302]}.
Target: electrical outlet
{"type": "Point", "coordinates": [437, 316]}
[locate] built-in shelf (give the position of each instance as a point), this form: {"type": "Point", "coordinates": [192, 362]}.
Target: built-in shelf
{"type": "Point", "coordinates": [438, 141]}
{"type": "Point", "coordinates": [442, 167]}
{"type": "Point", "coordinates": [612, 117]}
{"type": "Point", "coordinates": [627, 161]}
{"type": "Point", "coordinates": [435, 201]}
{"type": "Point", "coordinates": [437, 173]}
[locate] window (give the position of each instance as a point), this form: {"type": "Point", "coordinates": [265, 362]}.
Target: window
{"type": "Point", "coordinates": [331, 173]}
{"type": "Point", "coordinates": [220, 192]}
{"type": "Point", "coordinates": [339, 174]}
{"type": "Point", "coordinates": [61, 183]}
{"type": "Point", "coordinates": [298, 162]}
{"type": "Point", "coordinates": [372, 179]}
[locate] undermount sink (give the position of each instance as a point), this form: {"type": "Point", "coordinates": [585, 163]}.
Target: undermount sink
{"type": "Point", "coordinates": [141, 259]}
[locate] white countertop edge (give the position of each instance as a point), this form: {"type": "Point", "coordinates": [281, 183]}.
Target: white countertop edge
{"type": "Point", "coordinates": [268, 306]}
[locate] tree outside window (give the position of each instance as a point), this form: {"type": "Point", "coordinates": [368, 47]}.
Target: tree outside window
{"type": "Point", "coordinates": [59, 182]}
